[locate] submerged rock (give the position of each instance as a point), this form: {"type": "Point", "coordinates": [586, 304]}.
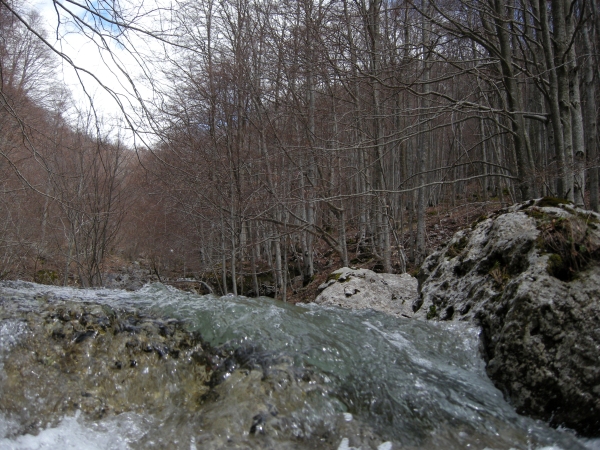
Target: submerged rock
{"type": "Point", "coordinates": [363, 288]}
{"type": "Point", "coordinates": [529, 275]}
{"type": "Point", "coordinates": [60, 357]}
{"type": "Point", "coordinates": [131, 278]}
{"type": "Point", "coordinates": [89, 357]}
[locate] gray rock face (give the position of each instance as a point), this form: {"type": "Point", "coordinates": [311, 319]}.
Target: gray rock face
{"type": "Point", "coordinates": [130, 278]}
{"type": "Point", "coordinates": [530, 277]}
{"type": "Point", "coordinates": [363, 288]}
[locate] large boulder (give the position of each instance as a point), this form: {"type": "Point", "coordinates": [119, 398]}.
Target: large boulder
{"type": "Point", "coordinates": [529, 275]}
{"type": "Point", "coordinates": [363, 288]}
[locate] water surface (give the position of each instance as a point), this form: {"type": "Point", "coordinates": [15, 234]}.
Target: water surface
{"type": "Point", "coordinates": [303, 376]}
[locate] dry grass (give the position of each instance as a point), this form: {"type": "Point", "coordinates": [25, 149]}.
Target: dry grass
{"type": "Point", "coordinates": [570, 244]}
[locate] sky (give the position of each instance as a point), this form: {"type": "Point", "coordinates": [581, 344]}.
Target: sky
{"type": "Point", "coordinates": [105, 61]}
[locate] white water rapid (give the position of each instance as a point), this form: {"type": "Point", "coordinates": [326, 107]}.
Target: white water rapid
{"type": "Point", "coordinates": [161, 368]}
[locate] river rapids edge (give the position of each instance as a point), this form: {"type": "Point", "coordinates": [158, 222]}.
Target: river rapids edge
{"type": "Point", "coordinates": [109, 357]}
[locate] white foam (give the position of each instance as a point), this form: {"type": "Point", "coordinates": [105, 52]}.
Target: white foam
{"type": "Point", "coordinates": [345, 445]}
{"type": "Point", "coordinates": [73, 434]}
{"type": "Point", "coordinates": [592, 444]}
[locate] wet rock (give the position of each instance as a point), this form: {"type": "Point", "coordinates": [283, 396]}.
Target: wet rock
{"type": "Point", "coordinates": [363, 288]}
{"type": "Point", "coordinates": [76, 357]}
{"type": "Point", "coordinates": [529, 275]}
{"type": "Point", "coordinates": [130, 278]}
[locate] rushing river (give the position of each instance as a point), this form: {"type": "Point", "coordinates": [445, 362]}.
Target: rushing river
{"type": "Point", "coordinates": [245, 373]}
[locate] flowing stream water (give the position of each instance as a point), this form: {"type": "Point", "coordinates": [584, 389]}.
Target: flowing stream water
{"type": "Point", "coordinates": [161, 368]}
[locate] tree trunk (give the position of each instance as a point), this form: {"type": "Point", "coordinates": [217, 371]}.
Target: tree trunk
{"type": "Point", "coordinates": [591, 126]}
{"type": "Point", "coordinates": [424, 139]}
{"type": "Point", "coordinates": [561, 43]}
{"type": "Point", "coordinates": [576, 117]}
{"type": "Point", "coordinates": [514, 101]}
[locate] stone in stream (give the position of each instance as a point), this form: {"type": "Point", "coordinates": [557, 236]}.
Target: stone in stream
{"type": "Point", "coordinates": [363, 288]}
{"type": "Point", "coordinates": [529, 276]}
{"type": "Point", "coordinates": [91, 359]}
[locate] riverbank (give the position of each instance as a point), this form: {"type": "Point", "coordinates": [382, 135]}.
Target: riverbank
{"type": "Point", "coordinates": [306, 377]}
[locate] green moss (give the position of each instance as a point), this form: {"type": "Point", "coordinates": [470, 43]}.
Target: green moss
{"type": "Point", "coordinates": [556, 266]}
{"type": "Point", "coordinates": [431, 312]}
{"type": "Point", "coordinates": [553, 202]}
{"type": "Point", "coordinates": [334, 276]}
{"type": "Point", "coordinates": [571, 246]}
{"type": "Point", "coordinates": [457, 247]}
{"type": "Point", "coordinates": [537, 214]}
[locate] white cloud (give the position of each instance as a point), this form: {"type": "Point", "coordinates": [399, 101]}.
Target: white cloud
{"type": "Point", "coordinates": [111, 70]}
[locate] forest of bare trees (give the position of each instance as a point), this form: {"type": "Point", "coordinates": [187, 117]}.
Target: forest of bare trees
{"type": "Point", "coordinates": [290, 136]}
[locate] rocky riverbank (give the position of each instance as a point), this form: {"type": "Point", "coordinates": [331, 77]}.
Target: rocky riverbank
{"type": "Point", "coordinates": [61, 355]}
{"type": "Point", "coordinates": [363, 288]}
{"type": "Point", "coordinates": [101, 361]}
{"type": "Point", "coordinates": [134, 276]}
{"type": "Point", "coordinates": [529, 277]}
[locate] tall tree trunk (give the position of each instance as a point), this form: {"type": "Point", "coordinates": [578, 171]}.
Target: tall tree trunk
{"type": "Point", "coordinates": [424, 137]}
{"type": "Point", "coordinates": [561, 43]}
{"type": "Point", "coordinates": [576, 116]}
{"type": "Point", "coordinates": [372, 17]}
{"type": "Point", "coordinates": [591, 126]}
{"type": "Point", "coordinates": [311, 165]}
{"type": "Point", "coordinates": [514, 101]}
{"type": "Point", "coordinates": [553, 96]}
{"type": "Point", "coordinates": [253, 257]}
{"type": "Point", "coordinates": [278, 265]}
{"type": "Point", "coordinates": [223, 257]}
{"type": "Point", "coordinates": [233, 254]}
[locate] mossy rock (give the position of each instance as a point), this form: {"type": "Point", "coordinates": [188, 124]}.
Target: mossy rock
{"type": "Point", "coordinates": [499, 274]}
{"type": "Point", "coordinates": [480, 219]}
{"type": "Point", "coordinates": [571, 245]}
{"type": "Point", "coordinates": [537, 214]}
{"type": "Point", "coordinates": [556, 267]}
{"type": "Point", "coordinates": [432, 312]}
{"type": "Point", "coordinates": [335, 276]}
{"type": "Point", "coordinates": [339, 276]}
{"type": "Point", "coordinates": [553, 202]}
{"type": "Point", "coordinates": [456, 248]}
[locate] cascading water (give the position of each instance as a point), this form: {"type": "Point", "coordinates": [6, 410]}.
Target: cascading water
{"type": "Point", "coordinates": [160, 368]}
